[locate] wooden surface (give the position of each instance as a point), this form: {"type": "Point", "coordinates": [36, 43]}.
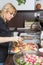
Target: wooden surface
{"type": "Point", "coordinates": [9, 60]}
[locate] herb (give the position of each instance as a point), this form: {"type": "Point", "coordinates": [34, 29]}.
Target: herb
{"type": "Point", "coordinates": [24, 63]}
{"type": "Point", "coordinates": [42, 60]}
{"type": "Point", "coordinates": [37, 63]}
{"type": "Point", "coordinates": [21, 2]}
{"type": "Point", "coordinates": [18, 60]}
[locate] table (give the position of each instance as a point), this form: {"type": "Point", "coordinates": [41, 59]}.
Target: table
{"type": "Point", "coordinates": [9, 60]}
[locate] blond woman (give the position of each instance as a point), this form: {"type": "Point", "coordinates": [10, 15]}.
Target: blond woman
{"type": "Point", "coordinates": [7, 13]}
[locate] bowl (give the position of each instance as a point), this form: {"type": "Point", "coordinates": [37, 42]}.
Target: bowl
{"type": "Point", "coordinates": [18, 58]}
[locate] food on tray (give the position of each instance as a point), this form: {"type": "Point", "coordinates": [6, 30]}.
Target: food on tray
{"type": "Point", "coordinates": [16, 49]}
{"type": "Point", "coordinates": [24, 47]}
{"type": "Point", "coordinates": [32, 46]}
{"type": "Point", "coordinates": [15, 44]}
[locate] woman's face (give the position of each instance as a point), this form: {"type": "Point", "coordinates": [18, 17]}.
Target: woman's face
{"type": "Point", "coordinates": [9, 16]}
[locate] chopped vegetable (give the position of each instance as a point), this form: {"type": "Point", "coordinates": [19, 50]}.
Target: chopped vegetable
{"type": "Point", "coordinates": [18, 60]}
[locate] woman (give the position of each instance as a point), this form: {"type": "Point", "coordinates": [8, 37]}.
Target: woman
{"type": "Point", "coordinates": [6, 14]}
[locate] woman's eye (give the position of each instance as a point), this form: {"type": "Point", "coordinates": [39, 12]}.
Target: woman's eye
{"type": "Point", "coordinates": [11, 13]}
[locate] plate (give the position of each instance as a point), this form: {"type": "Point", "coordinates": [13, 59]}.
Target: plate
{"type": "Point", "coordinates": [41, 49]}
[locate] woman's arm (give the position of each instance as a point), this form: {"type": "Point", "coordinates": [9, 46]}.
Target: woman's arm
{"type": "Point", "coordinates": [8, 39]}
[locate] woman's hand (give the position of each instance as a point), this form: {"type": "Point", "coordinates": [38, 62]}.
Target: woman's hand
{"type": "Point", "coordinates": [20, 39]}
{"type": "Point", "coordinates": [16, 39]}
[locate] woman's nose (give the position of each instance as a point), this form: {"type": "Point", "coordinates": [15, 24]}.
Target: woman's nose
{"type": "Point", "coordinates": [12, 15]}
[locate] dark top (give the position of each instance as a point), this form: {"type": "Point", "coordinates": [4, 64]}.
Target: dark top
{"type": "Point", "coordinates": [41, 23]}
{"type": "Point", "coordinates": [4, 31]}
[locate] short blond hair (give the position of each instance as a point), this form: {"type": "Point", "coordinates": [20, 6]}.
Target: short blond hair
{"type": "Point", "coordinates": [8, 8]}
